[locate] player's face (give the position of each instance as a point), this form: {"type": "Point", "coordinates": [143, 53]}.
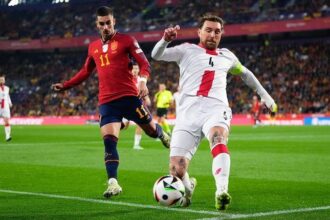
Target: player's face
{"type": "Point", "coordinates": [106, 26]}
{"type": "Point", "coordinates": [135, 70]}
{"type": "Point", "coordinates": [2, 80]}
{"type": "Point", "coordinates": [210, 34]}
{"type": "Point", "coordinates": [162, 87]}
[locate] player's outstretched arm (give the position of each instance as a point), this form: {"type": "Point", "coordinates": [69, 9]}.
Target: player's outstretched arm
{"type": "Point", "coordinates": [250, 80]}
{"type": "Point", "coordinates": [160, 50]}
{"type": "Point", "coordinates": [57, 87]}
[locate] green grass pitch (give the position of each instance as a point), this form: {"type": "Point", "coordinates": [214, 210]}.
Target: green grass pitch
{"type": "Point", "coordinates": [57, 172]}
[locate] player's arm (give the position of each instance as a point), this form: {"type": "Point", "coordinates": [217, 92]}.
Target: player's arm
{"type": "Point", "coordinates": [147, 100]}
{"type": "Point", "coordinates": [79, 77]}
{"type": "Point", "coordinates": [156, 97]}
{"type": "Point", "coordinates": [9, 100]}
{"type": "Point", "coordinates": [137, 53]}
{"type": "Point", "coordinates": [160, 50]}
{"type": "Point", "coordinates": [249, 79]}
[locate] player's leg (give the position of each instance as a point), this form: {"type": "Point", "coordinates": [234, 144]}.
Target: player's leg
{"type": "Point", "coordinates": [110, 133]}
{"type": "Point", "coordinates": [124, 124]}
{"type": "Point", "coordinates": [216, 130]}
{"type": "Point", "coordinates": [161, 113]}
{"type": "Point", "coordinates": [258, 121]}
{"type": "Point", "coordinates": [7, 128]}
{"type": "Point", "coordinates": [137, 138]}
{"type": "Point", "coordinates": [166, 126]}
{"type": "Point", "coordinates": [221, 165]}
{"type": "Point", "coordinates": [183, 147]}
{"type": "Point", "coordinates": [110, 123]}
{"type": "Point", "coordinates": [142, 117]}
{"type": "Point", "coordinates": [155, 131]}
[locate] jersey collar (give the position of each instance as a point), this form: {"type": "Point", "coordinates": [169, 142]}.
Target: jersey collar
{"type": "Point", "coordinates": [211, 52]}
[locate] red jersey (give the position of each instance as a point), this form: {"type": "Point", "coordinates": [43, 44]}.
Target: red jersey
{"type": "Point", "coordinates": [112, 64]}
{"type": "Point", "coordinates": [256, 106]}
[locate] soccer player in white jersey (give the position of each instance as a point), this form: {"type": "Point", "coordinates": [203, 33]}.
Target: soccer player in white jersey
{"type": "Point", "coordinates": [203, 108]}
{"type": "Point", "coordinates": [5, 105]}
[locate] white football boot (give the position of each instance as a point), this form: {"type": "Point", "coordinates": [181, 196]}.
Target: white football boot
{"type": "Point", "coordinates": [113, 188]}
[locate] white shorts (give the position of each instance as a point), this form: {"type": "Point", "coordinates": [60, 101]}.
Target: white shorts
{"type": "Point", "coordinates": [194, 121]}
{"type": "Point", "coordinates": [5, 112]}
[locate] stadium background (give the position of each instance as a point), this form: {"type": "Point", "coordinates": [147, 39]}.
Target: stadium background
{"type": "Point", "coordinates": [284, 42]}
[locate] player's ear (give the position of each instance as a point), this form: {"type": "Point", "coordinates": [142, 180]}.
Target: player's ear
{"type": "Point", "coordinates": [199, 32]}
{"type": "Point", "coordinates": [114, 21]}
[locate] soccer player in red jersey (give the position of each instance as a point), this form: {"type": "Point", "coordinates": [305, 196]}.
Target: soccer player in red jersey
{"type": "Point", "coordinates": [118, 95]}
{"type": "Point", "coordinates": [255, 110]}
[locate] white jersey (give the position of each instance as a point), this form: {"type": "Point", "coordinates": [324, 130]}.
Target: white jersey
{"type": "Point", "coordinates": [203, 102]}
{"type": "Point", "coordinates": [202, 72]}
{"type": "Point", "coordinates": [5, 101]}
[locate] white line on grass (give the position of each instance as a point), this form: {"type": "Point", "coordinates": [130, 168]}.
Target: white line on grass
{"type": "Point", "coordinates": [117, 203]}
{"type": "Point", "coordinates": [261, 214]}
{"type": "Point", "coordinates": [220, 216]}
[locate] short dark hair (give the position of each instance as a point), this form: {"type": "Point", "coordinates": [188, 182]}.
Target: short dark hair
{"type": "Point", "coordinates": [210, 17]}
{"type": "Point", "coordinates": [104, 11]}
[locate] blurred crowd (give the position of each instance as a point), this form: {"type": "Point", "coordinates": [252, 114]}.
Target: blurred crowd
{"type": "Point", "coordinates": [77, 18]}
{"type": "Point", "coordinates": [296, 74]}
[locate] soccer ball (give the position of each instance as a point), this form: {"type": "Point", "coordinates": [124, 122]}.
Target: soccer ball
{"type": "Point", "coordinates": [169, 190]}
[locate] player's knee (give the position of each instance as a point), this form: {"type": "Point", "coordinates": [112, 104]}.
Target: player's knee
{"type": "Point", "coordinates": [218, 142]}
{"type": "Point", "coordinates": [219, 137]}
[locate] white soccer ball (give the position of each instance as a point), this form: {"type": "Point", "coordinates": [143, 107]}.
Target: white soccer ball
{"type": "Point", "coordinates": [168, 190]}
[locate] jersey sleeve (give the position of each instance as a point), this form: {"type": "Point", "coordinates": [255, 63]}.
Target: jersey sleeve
{"type": "Point", "coordinates": [237, 67]}
{"type": "Point", "coordinates": [83, 73]}
{"type": "Point", "coordinates": [9, 99]}
{"type": "Point", "coordinates": [137, 53]}
{"type": "Point", "coordinates": [161, 52]}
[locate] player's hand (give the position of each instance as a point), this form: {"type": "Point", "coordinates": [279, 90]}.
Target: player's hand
{"type": "Point", "coordinates": [143, 89]}
{"type": "Point", "coordinates": [57, 87]}
{"type": "Point", "coordinates": [273, 110]}
{"type": "Point", "coordinates": [171, 33]}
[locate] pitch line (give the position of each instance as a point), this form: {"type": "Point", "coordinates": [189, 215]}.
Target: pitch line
{"type": "Point", "coordinates": [220, 216]}
{"type": "Point", "coordinates": [136, 205]}
{"type": "Point", "coordinates": [261, 214]}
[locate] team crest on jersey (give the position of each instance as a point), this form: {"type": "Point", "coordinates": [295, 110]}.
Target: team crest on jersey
{"type": "Point", "coordinates": [96, 51]}
{"type": "Point", "coordinates": [114, 45]}
{"type": "Point", "coordinates": [105, 48]}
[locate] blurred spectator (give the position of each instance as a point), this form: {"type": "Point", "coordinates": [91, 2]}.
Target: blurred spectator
{"type": "Point", "coordinates": [73, 19]}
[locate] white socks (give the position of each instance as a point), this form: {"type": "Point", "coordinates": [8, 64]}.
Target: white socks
{"type": "Point", "coordinates": [221, 167]}
{"type": "Point", "coordinates": [137, 139]}
{"type": "Point", "coordinates": [7, 131]}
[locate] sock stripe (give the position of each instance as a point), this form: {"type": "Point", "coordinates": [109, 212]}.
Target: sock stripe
{"type": "Point", "coordinates": [219, 149]}
{"type": "Point", "coordinates": [111, 161]}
